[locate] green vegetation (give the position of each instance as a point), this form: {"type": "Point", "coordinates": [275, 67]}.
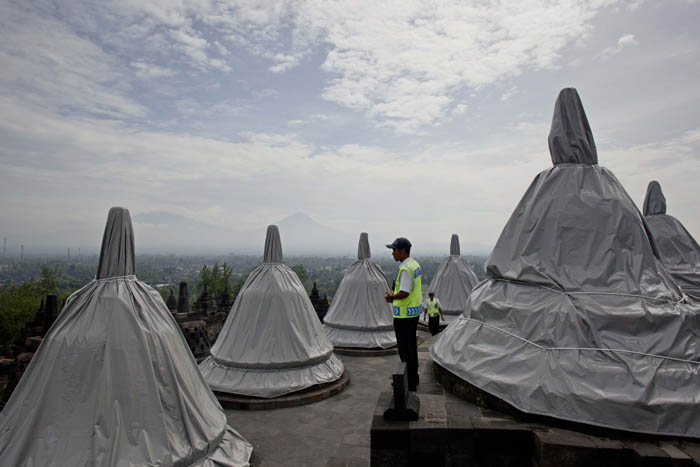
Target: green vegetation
{"type": "Point", "coordinates": [303, 276]}
{"type": "Point", "coordinates": [218, 279]}
{"type": "Point", "coordinates": [215, 279]}
{"type": "Point", "coordinates": [19, 303]}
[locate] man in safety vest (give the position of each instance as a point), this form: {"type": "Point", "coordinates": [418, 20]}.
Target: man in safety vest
{"type": "Point", "coordinates": [433, 308]}
{"type": "Point", "coordinates": [407, 300]}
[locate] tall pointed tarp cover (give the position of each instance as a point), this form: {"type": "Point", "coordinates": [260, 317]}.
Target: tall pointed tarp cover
{"type": "Point", "coordinates": [114, 384]}
{"type": "Point", "coordinates": [678, 249]}
{"type": "Point", "coordinates": [272, 342]}
{"type": "Point", "coordinates": [578, 319]}
{"type": "Point", "coordinates": [359, 316]}
{"type": "Point", "coordinates": [453, 282]}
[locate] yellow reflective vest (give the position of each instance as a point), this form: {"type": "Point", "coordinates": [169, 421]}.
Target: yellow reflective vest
{"type": "Point", "coordinates": [412, 305]}
{"type": "Point", "coordinates": [432, 307]}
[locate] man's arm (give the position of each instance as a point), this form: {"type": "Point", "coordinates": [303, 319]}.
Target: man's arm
{"type": "Point", "coordinates": [439, 307]}
{"type": "Point", "coordinates": [406, 283]}
{"type": "Point", "coordinates": [390, 297]}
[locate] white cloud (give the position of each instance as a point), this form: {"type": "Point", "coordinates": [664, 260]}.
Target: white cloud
{"type": "Point", "coordinates": [51, 67]}
{"type": "Point", "coordinates": [691, 136]}
{"type": "Point", "coordinates": [674, 162]}
{"type": "Point", "coordinates": [509, 93]}
{"type": "Point", "coordinates": [459, 109]}
{"type": "Point", "coordinates": [264, 93]}
{"type": "Point", "coordinates": [283, 62]}
{"type": "Point", "coordinates": [261, 176]}
{"type": "Point", "coordinates": [258, 173]}
{"type": "Point", "coordinates": [401, 65]}
{"type": "Point", "coordinates": [623, 42]}
{"type": "Point", "coordinates": [311, 119]}
{"type": "Point", "coordinates": [193, 109]}
{"type": "Point", "coordinates": [149, 70]}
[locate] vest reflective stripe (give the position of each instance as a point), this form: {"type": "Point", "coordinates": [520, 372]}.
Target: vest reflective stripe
{"type": "Point", "coordinates": [433, 308]}
{"type": "Point", "coordinates": [412, 305]}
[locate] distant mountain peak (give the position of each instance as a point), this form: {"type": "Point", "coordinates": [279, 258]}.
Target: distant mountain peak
{"type": "Point", "coordinates": [298, 218]}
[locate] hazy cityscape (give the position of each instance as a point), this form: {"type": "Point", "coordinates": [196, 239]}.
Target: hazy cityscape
{"type": "Point", "coordinates": [165, 272]}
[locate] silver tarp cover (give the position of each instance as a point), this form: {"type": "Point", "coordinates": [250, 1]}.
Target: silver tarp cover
{"type": "Point", "coordinates": [678, 249]}
{"type": "Point", "coordinates": [113, 382]}
{"type": "Point", "coordinates": [453, 282]}
{"type": "Point", "coordinates": [272, 342]}
{"type": "Point", "coordinates": [577, 318]}
{"type": "Point", "coordinates": [359, 316]}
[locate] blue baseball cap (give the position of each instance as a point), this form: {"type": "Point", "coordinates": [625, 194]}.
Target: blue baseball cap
{"type": "Point", "coordinates": [399, 243]}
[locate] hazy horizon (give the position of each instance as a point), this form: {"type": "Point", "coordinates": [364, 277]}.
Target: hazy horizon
{"type": "Point", "coordinates": [294, 230]}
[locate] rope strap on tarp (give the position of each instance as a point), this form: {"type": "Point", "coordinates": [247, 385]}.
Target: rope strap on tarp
{"type": "Point", "coordinates": [560, 291]}
{"type": "Point", "coordinates": [274, 365]}
{"type": "Point", "coordinates": [584, 349]}
{"type": "Point", "coordinates": [130, 277]}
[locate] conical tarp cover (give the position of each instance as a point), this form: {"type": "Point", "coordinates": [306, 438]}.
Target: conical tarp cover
{"type": "Point", "coordinates": [359, 316]}
{"type": "Point", "coordinates": [678, 249]}
{"type": "Point", "coordinates": [114, 384]}
{"type": "Point", "coordinates": [272, 342]}
{"type": "Point", "coordinates": [577, 318]}
{"type": "Point", "coordinates": [453, 282]}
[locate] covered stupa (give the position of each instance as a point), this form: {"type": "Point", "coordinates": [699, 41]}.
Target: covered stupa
{"type": "Point", "coordinates": [113, 383]}
{"type": "Point", "coordinates": [577, 318]}
{"type": "Point", "coordinates": [272, 342]}
{"type": "Point", "coordinates": [678, 249]}
{"type": "Point", "coordinates": [359, 316]}
{"type": "Point", "coordinates": [453, 282]}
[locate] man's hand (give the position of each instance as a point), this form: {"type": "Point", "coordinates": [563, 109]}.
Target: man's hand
{"type": "Point", "coordinates": [442, 317]}
{"type": "Point", "coordinates": [388, 296]}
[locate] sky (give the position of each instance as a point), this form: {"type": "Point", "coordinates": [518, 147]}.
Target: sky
{"type": "Point", "coordinates": [227, 116]}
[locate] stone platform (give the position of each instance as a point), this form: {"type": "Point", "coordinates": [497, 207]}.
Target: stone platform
{"type": "Point", "coordinates": [303, 397]}
{"type": "Point", "coordinates": [331, 433]}
{"type": "Point", "coordinates": [451, 431]}
{"type": "Point", "coordinates": [360, 352]}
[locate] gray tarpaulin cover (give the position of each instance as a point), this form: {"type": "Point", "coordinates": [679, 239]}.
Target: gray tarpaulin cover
{"type": "Point", "coordinates": [678, 249]}
{"type": "Point", "coordinates": [272, 342]}
{"type": "Point", "coordinates": [453, 282]}
{"type": "Point", "coordinates": [114, 383]}
{"type": "Point", "coordinates": [359, 316]}
{"type": "Point", "coordinates": [578, 319]}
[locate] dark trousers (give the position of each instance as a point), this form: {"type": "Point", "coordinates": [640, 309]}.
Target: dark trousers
{"type": "Point", "coordinates": [405, 329]}
{"type": "Point", "coordinates": [434, 324]}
